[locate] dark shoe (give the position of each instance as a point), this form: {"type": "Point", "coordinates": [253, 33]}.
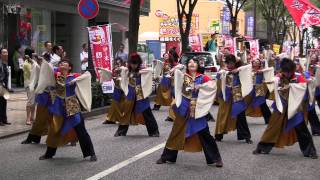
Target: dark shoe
{"type": "Point", "coordinates": [249, 141]}
{"type": "Point", "coordinates": [108, 122]}
{"type": "Point", "coordinates": [256, 152]}
{"type": "Point", "coordinates": [316, 134]}
{"type": "Point", "coordinates": [7, 123]}
{"type": "Point", "coordinates": [155, 135]}
{"type": "Point", "coordinates": [26, 142]}
{"type": "Point", "coordinates": [93, 158]}
{"type": "Point", "coordinates": [168, 119]}
{"type": "Point", "coordinates": [117, 134]}
{"type": "Point", "coordinates": [156, 107]}
{"type": "Point", "coordinates": [162, 161]}
{"type": "Point", "coordinates": [44, 157]}
{"type": "Point", "coordinates": [73, 143]}
{"type": "Point", "coordinates": [218, 164]}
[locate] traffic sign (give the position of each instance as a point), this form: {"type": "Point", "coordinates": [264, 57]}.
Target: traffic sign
{"type": "Point", "coordinates": [88, 9]}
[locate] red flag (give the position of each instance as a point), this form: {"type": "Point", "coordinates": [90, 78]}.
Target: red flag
{"type": "Point", "coordinates": [304, 13]}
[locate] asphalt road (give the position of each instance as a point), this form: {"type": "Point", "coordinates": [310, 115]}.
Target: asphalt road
{"type": "Point", "coordinates": [21, 161]}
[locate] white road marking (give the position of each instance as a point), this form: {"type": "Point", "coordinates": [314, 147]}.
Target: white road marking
{"type": "Point", "coordinates": [126, 162]}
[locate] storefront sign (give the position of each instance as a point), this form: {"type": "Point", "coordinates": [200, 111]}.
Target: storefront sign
{"type": "Point", "coordinates": [225, 20]}
{"type": "Point", "coordinates": [169, 27]}
{"type": "Point", "coordinates": [101, 46]}
{"type": "Point", "coordinates": [88, 9]}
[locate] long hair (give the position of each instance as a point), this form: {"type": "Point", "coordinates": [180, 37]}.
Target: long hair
{"type": "Point", "coordinates": [135, 59]}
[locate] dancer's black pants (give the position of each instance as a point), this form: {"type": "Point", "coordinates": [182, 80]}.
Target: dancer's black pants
{"type": "Point", "coordinates": [84, 141]}
{"type": "Point", "coordinates": [304, 138]}
{"type": "Point", "coordinates": [209, 146]}
{"type": "Point", "coordinates": [150, 121]}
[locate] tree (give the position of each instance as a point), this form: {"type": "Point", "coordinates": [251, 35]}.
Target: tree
{"type": "Point", "coordinates": [134, 24]}
{"type": "Point", "coordinates": [185, 9]}
{"type": "Point", "coordinates": [274, 12]}
{"type": "Point", "coordinates": [234, 7]}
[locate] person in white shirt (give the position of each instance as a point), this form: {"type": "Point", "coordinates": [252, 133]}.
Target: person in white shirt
{"type": "Point", "coordinates": [55, 58]}
{"type": "Point", "coordinates": [121, 54]}
{"type": "Point", "coordinates": [84, 57]}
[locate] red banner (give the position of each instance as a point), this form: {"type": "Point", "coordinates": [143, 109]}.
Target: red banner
{"type": "Point", "coordinates": [304, 13]}
{"type": "Point", "coordinates": [101, 46]}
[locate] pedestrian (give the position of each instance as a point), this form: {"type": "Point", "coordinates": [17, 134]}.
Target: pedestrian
{"type": "Point", "coordinates": [211, 45]}
{"type": "Point", "coordinates": [190, 131]}
{"type": "Point", "coordinates": [115, 112]}
{"type": "Point", "coordinates": [287, 124]}
{"type": "Point", "coordinates": [18, 65]}
{"type": "Point", "coordinates": [121, 54]}
{"type": "Point", "coordinates": [3, 86]}
{"type": "Point", "coordinates": [258, 106]}
{"type": "Point", "coordinates": [136, 84]}
{"type": "Point", "coordinates": [84, 58]}
{"type": "Point", "coordinates": [232, 102]}
{"type": "Point", "coordinates": [42, 117]}
{"type": "Point", "coordinates": [27, 71]}
{"type": "Point", "coordinates": [55, 57]}
{"type": "Point", "coordinates": [47, 48]}
{"type": "Point", "coordinates": [68, 122]}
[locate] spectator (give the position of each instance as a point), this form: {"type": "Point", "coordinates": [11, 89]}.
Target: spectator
{"type": "Point", "coordinates": [55, 58]}
{"type": "Point", "coordinates": [61, 52]}
{"type": "Point", "coordinates": [27, 68]}
{"type": "Point", "coordinates": [121, 54]}
{"type": "Point", "coordinates": [18, 65]}
{"type": "Point", "coordinates": [84, 57]}
{"type": "Point", "coordinates": [48, 48]}
{"type": "Point", "coordinates": [211, 45]}
{"type": "Point", "coordinates": [4, 84]}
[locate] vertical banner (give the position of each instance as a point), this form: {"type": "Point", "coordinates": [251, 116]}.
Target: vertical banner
{"type": "Point", "coordinates": [101, 47]}
{"type": "Point", "coordinates": [254, 48]}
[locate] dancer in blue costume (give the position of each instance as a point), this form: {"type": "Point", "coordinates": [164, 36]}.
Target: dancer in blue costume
{"type": "Point", "coordinates": [136, 83]}
{"type": "Point", "coordinates": [194, 94]}
{"type": "Point", "coordinates": [232, 102]}
{"type": "Point", "coordinates": [258, 106]}
{"type": "Point", "coordinates": [69, 91]}
{"type": "Point", "coordinates": [287, 124]}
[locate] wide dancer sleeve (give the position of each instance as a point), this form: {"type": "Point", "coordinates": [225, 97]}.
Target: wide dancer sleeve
{"type": "Point", "coordinates": [124, 83]}
{"type": "Point", "coordinates": [296, 94]}
{"type": "Point", "coordinates": [245, 75]}
{"type": "Point", "coordinates": [207, 93]}
{"type": "Point", "coordinates": [146, 82]}
{"type": "Point", "coordinates": [83, 90]}
{"type": "Point", "coordinates": [105, 75]}
{"type": "Point", "coordinates": [46, 78]}
{"type": "Point", "coordinates": [178, 83]}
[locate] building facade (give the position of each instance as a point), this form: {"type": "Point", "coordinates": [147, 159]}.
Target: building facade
{"type": "Point", "coordinates": [32, 22]}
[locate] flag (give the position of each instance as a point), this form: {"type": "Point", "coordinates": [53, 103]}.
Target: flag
{"type": "Point", "coordinates": [303, 12]}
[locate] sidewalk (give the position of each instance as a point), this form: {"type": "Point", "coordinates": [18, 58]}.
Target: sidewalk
{"type": "Point", "coordinates": [16, 112]}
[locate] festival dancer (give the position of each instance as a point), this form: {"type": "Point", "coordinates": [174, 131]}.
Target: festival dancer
{"type": "Point", "coordinates": [287, 124]}
{"type": "Point", "coordinates": [136, 84]}
{"type": "Point", "coordinates": [258, 106]}
{"type": "Point", "coordinates": [165, 94]}
{"type": "Point", "coordinates": [70, 89]}
{"type": "Point", "coordinates": [40, 125]}
{"type": "Point", "coordinates": [234, 86]}
{"type": "Point", "coordinates": [194, 94]}
{"type": "Point", "coordinates": [312, 77]}
{"type": "Point", "coordinates": [115, 112]}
